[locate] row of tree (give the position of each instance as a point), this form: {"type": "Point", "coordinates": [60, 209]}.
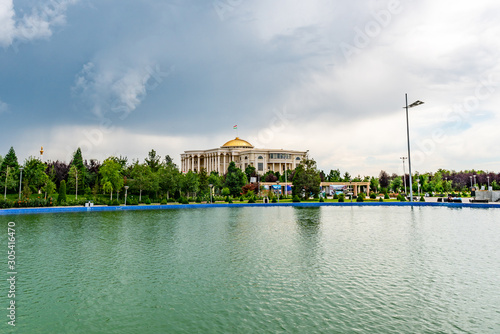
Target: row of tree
{"type": "Point", "coordinates": [160, 178]}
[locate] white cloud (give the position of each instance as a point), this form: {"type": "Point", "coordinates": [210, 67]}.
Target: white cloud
{"type": "Point", "coordinates": [37, 25]}
{"type": "Point", "coordinates": [3, 107]}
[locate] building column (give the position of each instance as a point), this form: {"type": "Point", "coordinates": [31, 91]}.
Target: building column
{"type": "Point", "coordinates": [218, 162]}
{"type": "Point", "coordinates": [224, 162]}
{"type": "Point", "coordinates": [199, 163]}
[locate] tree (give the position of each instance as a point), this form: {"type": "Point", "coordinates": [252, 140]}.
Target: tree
{"type": "Point", "coordinates": [235, 179]}
{"type": "Point", "coordinates": [216, 181]}
{"type": "Point", "coordinates": [250, 172]}
{"type": "Point", "coordinates": [270, 177]}
{"type": "Point", "coordinates": [111, 177]}
{"type": "Point", "coordinates": [333, 176]}
{"type": "Point", "coordinates": [374, 184]}
{"type": "Point", "coordinates": [141, 177]}
{"type": "Point", "coordinates": [79, 170]}
{"type": "Point", "coordinates": [153, 161]}
{"type": "Point", "coordinates": [347, 177]}
{"type": "Point", "coordinates": [49, 188]}
{"type": "Point", "coordinates": [203, 179]}
{"type": "Point", "coordinates": [62, 193]}
{"type": "Point", "coordinates": [396, 184]}
{"type": "Point", "coordinates": [7, 181]}
{"type": "Point", "coordinates": [383, 179]}
{"type": "Point", "coordinates": [169, 178]}
{"type": "Point", "coordinates": [306, 180]}
{"type": "Point", "coordinates": [34, 173]}
{"type": "Point", "coordinates": [10, 160]}
{"type": "Point", "coordinates": [190, 183]}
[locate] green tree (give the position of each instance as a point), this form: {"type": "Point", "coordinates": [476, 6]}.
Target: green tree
{"type": "Point", "coordinates": [111, 177]}
{"type": "Point", "coordinates": [346, 177]}
{"type": "Point", "coordinates": [7, 181]}
{"type": "Point", "coordinates": [10, 160]}
{"type": "Point", "coordinates": [141, 178]}
{"type": "Point", "coordinates": [203, 179]}
{"type": "Point", "coordinates": [235, 179]}
{"type": "Point", "coordinates": [190, 183]}
{"type": "Point", "coordinates": [34, 174]}
{"type": "Point", "coordinates": [153, 161]}
{"type": "Point", "coordinates": [77, 162]}
{"type": "Point", "coordinates": [396, 184]}
{"type": "Point", "coordinates": [334, 176]}
{"type": "Point", "coordinates": [74, 180]}
{"type": "Point", "coordinates": [61, 199]}
{"type": "Point", "coordinates": [169, 178]}
{"type": "Point", "coordinates": [250, 172]}
{"type": "Point", "coordinates": [49, 188]}
{"type": "Point", "coordinates": [373, 184]}
{"type": "Point", "coordinates": [216, 181]}
{"type": "Point", "coordinates": [306, 180]}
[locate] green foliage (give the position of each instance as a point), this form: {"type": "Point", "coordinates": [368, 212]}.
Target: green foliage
{"type": "Point", "coordinates": [251, 200]}
{"type": "Point", "coordinates": [321, 200]}
{"type": "Point", "coordinates": [225, 192]}
{"type": "Point", "coordinates": [274, 200]}
{"type": "Point", "coordinates": [295, 199]}
{"type": "Point", "coordinates": [360, 199]}
{"type": "Point", "coordinates": [386, 196]}
{"type": "Point", "coordinates": [373, 195]}
{"type": "Point", "coordinates": [153, 161]}
{"type": "Point", "coordinates": [62, 193]}
{"type": "Point", "coordinates": [335, 196]}
{"type": "Point", "coordinates": [147, 201]}
{"type": "Point", "coordinates": [422, 199]}
{"type": "Point", "coordinates": [163, 201]}
{"type": "Point", "coordinates": [235, 179]}
{"type": "Point", "coordinates": [341, 198]}
{"type": "Point", "coordinates": [380, 199]}
{"type": "Point", "coordinates": [241, 198]}
{"type": "Point", "coordinates": [111, 178]}
{"type": "Point", "coordinates": [230, 201]}
{"type": "Point", "coordinates": [306, 180]}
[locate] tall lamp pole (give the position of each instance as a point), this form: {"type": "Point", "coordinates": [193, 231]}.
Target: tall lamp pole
{"type": "Point", "coordinates": [404, 173]}
{"type": "Point", "coordinates": [414, 104]}
{"type": "Point", "coordinates": [126, 188]}
{"type": "Point", "coordinates": [20, 181]}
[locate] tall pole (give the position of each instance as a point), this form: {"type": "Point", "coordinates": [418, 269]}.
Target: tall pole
{"type": "Point", "coordinates": [76, 176]}
{"type": "Point", "coordinates": [6, 176]}
{"type": "Point", "coordinates": [20, 180]}
{"type": "Point", "coordinates": [409, 157]}
{"type": "Point", "coordinates": [404, 173]}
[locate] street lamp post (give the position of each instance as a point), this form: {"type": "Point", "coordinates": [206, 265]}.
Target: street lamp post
{"type": "Point", "coordinates": [20, 181]}
{"type": "Point", "coordinates": [76, 176]}
{"type": "Point", "coordinates": [414, 104]}
{"type": "Point", "coordinates": [470, 182]}
{"type": "Point", "coordinates": [418, 183]}
{"type": "Point", "coordinates": [126, 188]}
{"type": "Point", "coordinates": [211, 186]}
{"type": "Point", "coordinates": [278, 183]}
{"type": "Point", "coordinates": [488, 178]}
{"type": "Point", "coordinates": [404, 172]}
{"type": "Point", "coordinates": [475, 183]}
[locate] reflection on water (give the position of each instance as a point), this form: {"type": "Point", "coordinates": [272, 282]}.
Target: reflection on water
{"type": "Point", "coordinates": [270, 269]}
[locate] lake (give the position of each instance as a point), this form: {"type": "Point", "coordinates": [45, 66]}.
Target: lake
{"type": "Point", "coordinates": [259, 269]}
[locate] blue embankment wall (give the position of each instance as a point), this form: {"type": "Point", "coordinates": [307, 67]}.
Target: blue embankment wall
{"type": "Point", "coordinates": [20, 211]}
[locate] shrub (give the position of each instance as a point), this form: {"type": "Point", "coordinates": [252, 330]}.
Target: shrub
{"type": "Point", "coordinates": [335, 196]}
{"type": "Point", "coordinates": [296, 199]}
{"type": "Point", "coordinates": [61, 198]}
{"type": "Point", "coordinates": [380, 199]}
{"type": "Point", "coordinates": [251, 200]}
{"type": "Point", "coordinates": [163, 201]}
{"type": "Point", "coordinates": [273, 200]}
{"type": "Point", "coordinates": [321, 200]}
{"type": "Point", "coordinates": [226, 199]}
{"type": "Point", "coordinates": [198, 199]}
{"type": "Point", "coordinates": [341, 198]}
{"type": "Point", "coordinates": [113, 203]}
{"type": "Point", "coordinates": [386, 196]}
{"type": "Point", "coordinates": [6, 204]}
{"type": "Point", "coordinates": [147, 201]}
{"type": "Point", "coordinates": [422, 199]}
{"type": "Point", "coordinates": [241, 198]}
{"type": "Point", "coordinates": [373, 196]}
{"type": "Point", "coordinates": [230, 201]}
{"type": "Point", "coordinates": [360, 199]}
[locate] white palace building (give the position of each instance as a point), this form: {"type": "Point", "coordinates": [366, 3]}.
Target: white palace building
{"type": "Point", "coordinates": [243, 154]}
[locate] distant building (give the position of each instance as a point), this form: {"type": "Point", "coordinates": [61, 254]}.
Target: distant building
{"type": "Point", "coordinates": [243, 154]}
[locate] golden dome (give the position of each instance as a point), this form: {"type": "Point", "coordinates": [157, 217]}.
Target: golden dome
{"type": "Point", "coordinates": [238, 143]}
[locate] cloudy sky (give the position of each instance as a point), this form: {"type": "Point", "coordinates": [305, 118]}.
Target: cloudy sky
{"type": "Point", "coordinates": [123, 77]}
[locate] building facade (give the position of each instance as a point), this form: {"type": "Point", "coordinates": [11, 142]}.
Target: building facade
{"type": "Point", "coordinates": [243, 154]}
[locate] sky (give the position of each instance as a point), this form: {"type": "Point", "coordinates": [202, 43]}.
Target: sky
{"type": "Point", "coordinates": [124, 77]}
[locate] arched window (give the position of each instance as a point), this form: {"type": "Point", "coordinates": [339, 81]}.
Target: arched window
{"type": "Point", "coordinates": [297, 158]}
{"type": "Point", "coordinates": [260, 157]}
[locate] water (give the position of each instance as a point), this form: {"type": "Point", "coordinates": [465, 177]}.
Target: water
{"type": "Point", "coordinates": [265, 270]}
